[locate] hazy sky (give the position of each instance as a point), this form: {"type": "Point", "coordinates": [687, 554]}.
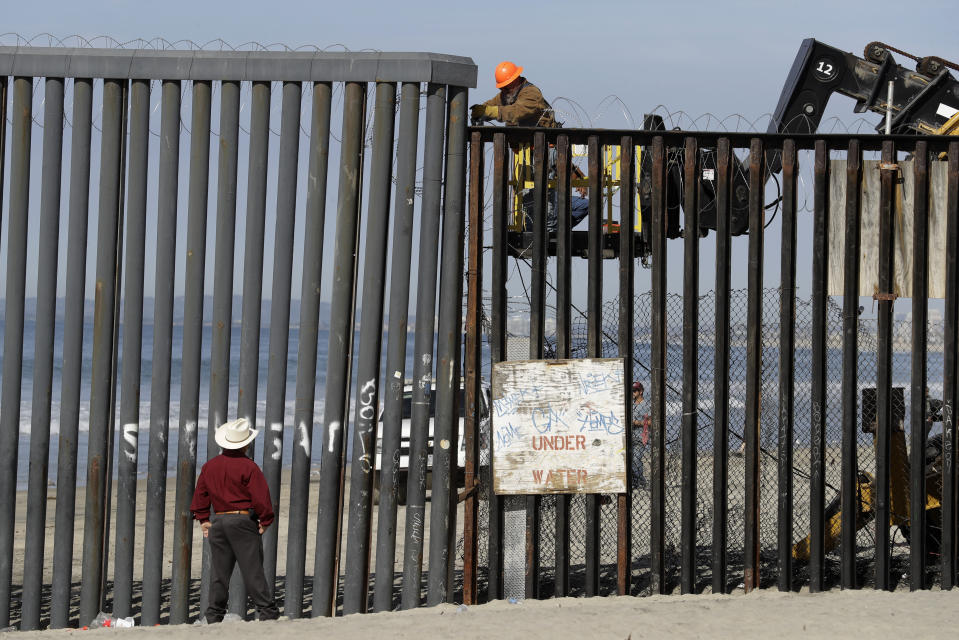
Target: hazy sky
{"type": "Point", "coordinates": [718, 58]}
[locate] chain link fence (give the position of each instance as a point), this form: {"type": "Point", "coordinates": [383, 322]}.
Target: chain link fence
{"type": "Point", "coordinates": [518, 348]}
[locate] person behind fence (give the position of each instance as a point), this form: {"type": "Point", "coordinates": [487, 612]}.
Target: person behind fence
{"type": "Point", "coordinates": [640, 436]}
{"type": "Point", "coordinates": [520, 103]}
{"type": "Point", "coordinates": [237, 491]}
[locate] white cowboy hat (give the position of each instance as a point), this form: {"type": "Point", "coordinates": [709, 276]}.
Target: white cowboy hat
{"type": "Point", "coordinates": [235, 434]}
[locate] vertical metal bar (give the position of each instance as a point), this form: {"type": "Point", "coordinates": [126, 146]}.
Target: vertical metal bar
{"type": "Point", "coordinates": [537, 330]}
{"type": "Point", "coordinates": [13, 329]}
{"type": "Point", "coordinates": [306, 350]}
{"type": "Point", "coordinates": [132, 346]}
{"type": "Point", "coordinates": [423, 345]}
{"type": "Point", "coordinates": [690, 363]}
{"type": "Point", "coordinates": [563, 347]}
{"type": "Point", "coordinates": [950, 366]}
{"type": "Point", "coordinates": [3, 130]}
{"type": "Point", "coordinates": [594, 338]}
{"type": "Point", "coordinates": [754, 315]}
{"type": "Point", "coordinates": [404, 198]}
{"type": "Point", "coordinates": [222, 286]}
{"type": "Point", "coordinates": [103, 328]}
{"type": "Point", "coordinates": [43, 354]}
{"type": "Point", "coordinates": [473, 371]}
{"type": "Point", "coordinates": [948, 546]}
{"type": "Point", "coordinates": [72, 352]}
{"type": "Point", "coordinates": [721, 367]}
{"type": "Point", "coordinates": [498, 317]}
{"type": "Point", "coordinates": [280, 313]}
{"type": "Point", "coordinates": [341, 339]}
{"type": "Point", "coordinates": [817, 427]}
{"type": "Point", "coordinates": [115, 353]}
{"type": "Point", "coordinates": [162, 351]}
{"type": "Point", "coordinates": [448, 347]}
{"type": "Point", "coordinates": [356, 585]}
{"type": "Point", "coordinates": [252, 284]}
{"type": "Point", "coordinates": [917, 418]}
{"type": "Point", "coordinates": [887, 247]}
{"type": "Point", "coordinates": [658, 371]}
{"type": "Point", "coordinates": [787, 366]}
{"type": "Point", "coordinates": [192, 342]}
{"type": "Point", "coordinates": [396, 346]}
{"type": "Point", "coordinates": [850, 367]}
{"type": "Point", "coordinates": [627, 262]}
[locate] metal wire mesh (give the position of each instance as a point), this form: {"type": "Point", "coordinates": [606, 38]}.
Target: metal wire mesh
{"type": "Point", "coordinates": [518, 348]}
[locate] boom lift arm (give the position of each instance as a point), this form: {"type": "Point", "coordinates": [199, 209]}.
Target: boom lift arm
{"type": "Point", "coordinates": [923, 101]}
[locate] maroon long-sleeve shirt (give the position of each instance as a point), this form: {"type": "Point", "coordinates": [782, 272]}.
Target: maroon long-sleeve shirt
{"type": "Point", "coordinates": [232, 482]}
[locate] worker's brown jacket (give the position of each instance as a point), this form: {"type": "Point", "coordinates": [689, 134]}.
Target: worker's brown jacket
{"type": "Point", "coordinates": [529, 109]}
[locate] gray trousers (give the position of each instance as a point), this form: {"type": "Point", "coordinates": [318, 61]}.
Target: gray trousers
{"type": "Point", "coordinates": [235, 540]}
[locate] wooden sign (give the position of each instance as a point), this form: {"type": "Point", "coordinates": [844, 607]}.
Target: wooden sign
{"type": "Point", "coordinates": [559, 426]}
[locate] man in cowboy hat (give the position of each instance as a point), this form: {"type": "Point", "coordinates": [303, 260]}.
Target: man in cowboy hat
{"type": "Point", "coordinates": [240, 497]}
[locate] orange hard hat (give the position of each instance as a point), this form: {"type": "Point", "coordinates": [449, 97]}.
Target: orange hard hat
{"type": "Point", "coordinates": [506, 72]}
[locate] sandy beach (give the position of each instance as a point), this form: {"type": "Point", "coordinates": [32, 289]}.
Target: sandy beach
{"type": "Point", "coordinates": [764, 614]}
{"type": "Point", "coordinates": [138, 544]}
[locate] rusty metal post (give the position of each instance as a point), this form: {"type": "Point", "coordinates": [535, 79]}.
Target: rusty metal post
{"type": "Point", "coordinates": [285, 223]}
{"type": "Point", "coordinates": [594, 339]}
{"type": "Point", "coordinates": [389, 444]}
{"type": "Point", "coordinates": [889, 173]}
{"type": "Point", "coordinates": [192, 344]}
{"type": "Point", "coordinates": [850, 367]}
{"type": "Point", "coordinates": [690, 452]}
{"type": "Point", "coordinates": [658, 371]}
{"type": "Point", "coordinates": [627, 295]}
{"type": "Point", "coordinates": [787, 367]}
{"type": "Point", "coordinates": [563, 347]}
{"type": "Point", "coordinates": [754, 345]}
{"type": "Point", "coordinates": [72, 350]}
{"type": "Point", "coordinates": [17, 218]}
{"type": "Point", "coordinates": [498, 317]}
{"type": "Point", "coordinates": [948, 545]}
{"type": "Point", "coordinates": [101, 391]}
{"type": "Point", "coordinates": [917, 417]}
{"type": "Point", "coordinates": [473, 392]}
{"type": "Point", "coordinates": [303, 416]}
{"type": "Point", "coordinates": [721, 367]}
{"type": "Point", "coordinates": [537, 335]}
{"type": "Point", "coordinates": [43, 354]}
{"type": "Point", "coordinates": [817, 427]}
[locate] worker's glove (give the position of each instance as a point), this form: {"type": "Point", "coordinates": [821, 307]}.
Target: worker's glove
{"type": "Point", "coordinates": [484, 112]}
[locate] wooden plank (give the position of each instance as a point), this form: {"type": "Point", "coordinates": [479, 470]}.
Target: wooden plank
{"type": "Point", "coordinates": [869, 229]}
{"type": "Point", "coordinates": [559, 426]}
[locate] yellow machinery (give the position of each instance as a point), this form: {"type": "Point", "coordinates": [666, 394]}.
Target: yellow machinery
{"type": "Point", "coordinates": [898, 497]}
{"type": "Point", "coordinates": [522, 180]}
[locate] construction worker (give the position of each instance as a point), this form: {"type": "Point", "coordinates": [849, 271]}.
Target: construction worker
{"type": "Point", "coordinates": [521, 104]}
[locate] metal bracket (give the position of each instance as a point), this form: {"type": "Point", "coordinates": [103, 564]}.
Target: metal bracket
{"type": "Point", "coordinates": [888, 166]}
{"type": "Point", "coordinates": [884, 296]}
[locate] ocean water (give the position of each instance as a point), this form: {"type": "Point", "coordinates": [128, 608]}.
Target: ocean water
{"type": "Point", "coordinates": [736, 402]}
{"type": "Point", "coordinates": [146, 370]}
